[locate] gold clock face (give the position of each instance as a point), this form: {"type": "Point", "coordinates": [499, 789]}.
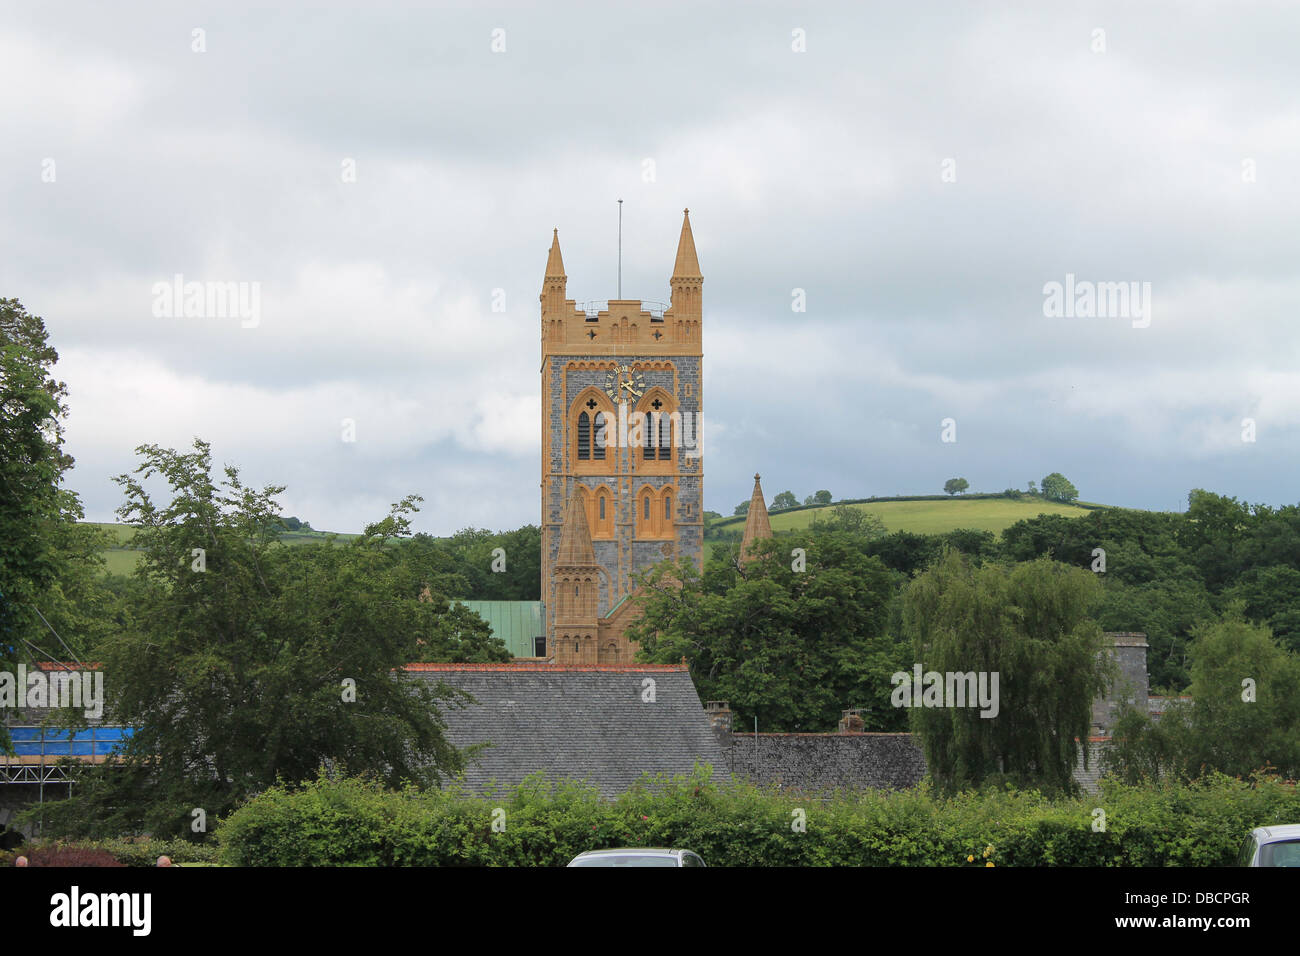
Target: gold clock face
{"type": "Point", "coordinates": [625, 384]}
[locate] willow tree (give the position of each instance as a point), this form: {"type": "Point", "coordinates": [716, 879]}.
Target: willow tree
{"type": "Point", "coordinates": [1029, 625]}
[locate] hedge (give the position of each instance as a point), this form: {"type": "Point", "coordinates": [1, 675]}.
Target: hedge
{"type": "Point", "coordinates": [129, 851]}
{"type": "Point", "coordinates": [354, 822]}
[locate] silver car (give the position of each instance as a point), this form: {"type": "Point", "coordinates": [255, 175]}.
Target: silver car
{"type": "Point", "coordinates": [637, 857]}
{"type": "Point", "coordinates": [1271, 846]}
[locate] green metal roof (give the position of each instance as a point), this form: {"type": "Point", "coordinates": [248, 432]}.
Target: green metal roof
{"type": "Point", "coordinates": [515, 622]}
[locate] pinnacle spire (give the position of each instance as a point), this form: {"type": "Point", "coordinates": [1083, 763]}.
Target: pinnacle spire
{"type": "Point", "coordinates": [575, 549]}
{"type": "Point", "coordinates": [757, 523]}
{"type": "Point", "coordinates": [687, 265]}
{"type": "Point", "coordinates": [554, 262]}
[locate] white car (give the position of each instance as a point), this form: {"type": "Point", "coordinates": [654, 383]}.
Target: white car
{"type": "Point", "coordinates": [1271, 846]}
{"type": "Point", "coordinates": [637, 857]}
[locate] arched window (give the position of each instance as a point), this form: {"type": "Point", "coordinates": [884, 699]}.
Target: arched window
{"type": "Point", "coordinates": [584, 438]}
{"type": "Point", "coordinates": [600, 439]}
{"type": "Point", "coordinates": [590, 431]}
{"type": "Point", "coordinates": [658, 407]}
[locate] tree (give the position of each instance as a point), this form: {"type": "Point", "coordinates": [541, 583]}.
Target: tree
{"type": "Point", "coordinates": [784, 500]}
{"type": "Point", "coordinates": [790, 647]}
{"type": "Point", "coordinates": [904, 551]}
{"type": "Point", "coordinates": [1056, 487]}
{"type": "Point", "coordinates": [1244, 714]}
{"type": "Point", "coordinates": [854, 521]}
{"type": "Point", "coordinates": [822, 497]}
{"type": "Point", "coordinates": [1029, 624]}
{"type": "Point", "coordinates": [32, 463]}
{"type": "Point", "coordinates": [955, 486]}
{"type": "Point", "coordinates": [48, 564]}
{"type": "Point", "coordinates": [1214, 533]}
{"type": "Point", "coordinates": [249, 661]}
{"type": "Point", "coordinates": [742, 508]}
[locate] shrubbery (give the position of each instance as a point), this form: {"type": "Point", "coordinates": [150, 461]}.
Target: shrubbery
{"type": "Point", "coordinates": [354, 822]}
{"type": "Point", "coordinates": [127, 851]}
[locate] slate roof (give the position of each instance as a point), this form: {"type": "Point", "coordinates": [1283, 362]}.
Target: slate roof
{"type": "Point", "coordinates": [583, 722]}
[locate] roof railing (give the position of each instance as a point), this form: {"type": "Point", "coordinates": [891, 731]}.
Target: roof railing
{"type": "Point", "coordinates": [594, 307]}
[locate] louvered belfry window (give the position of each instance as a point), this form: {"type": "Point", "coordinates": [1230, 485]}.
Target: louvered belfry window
{"type": "Point", "coordinates": [598, 449]}
{"type": "Point", "coordinates": [665, 437]}
{"type": "Point", "coordinates": [584, 438]}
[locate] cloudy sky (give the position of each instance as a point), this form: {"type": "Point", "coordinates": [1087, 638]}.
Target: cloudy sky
{"type": "Point", "coordinates": [920, 171]}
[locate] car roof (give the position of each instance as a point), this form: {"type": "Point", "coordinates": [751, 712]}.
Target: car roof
{"type": "Point", "coordinates": [643, 851]}
{"type": "Point", "coordinates": [1285, 831]}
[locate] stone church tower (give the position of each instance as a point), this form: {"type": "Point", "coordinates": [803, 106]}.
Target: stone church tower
{"type": "Point", "coordinates": [622, 465]}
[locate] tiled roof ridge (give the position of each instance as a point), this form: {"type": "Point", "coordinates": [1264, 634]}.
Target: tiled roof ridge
{"type": "Point", "coordinates": [66, 666]}
{"type": "Point", "coordinates": [827, 733]}
{"type": "Point", "coordinates": [549, 668]}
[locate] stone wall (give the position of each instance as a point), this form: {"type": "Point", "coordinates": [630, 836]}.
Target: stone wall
{"type": "Point", "coordinates": [814, 762]}
{"type": "Point", "coordinates": [825, 761]}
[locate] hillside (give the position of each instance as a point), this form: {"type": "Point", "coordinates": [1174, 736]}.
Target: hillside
{"type": "Point", "coordinates": [922, 516]}
{"type": "Point", "coordinates": [122, 558]}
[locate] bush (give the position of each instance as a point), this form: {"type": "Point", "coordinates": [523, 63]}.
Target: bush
{"type": "Point", "coordinates": [67, 855]}
{"type": "Point", "coordinates": [129, 851]}
{"type": "Point", "coordinates": [354, 822]}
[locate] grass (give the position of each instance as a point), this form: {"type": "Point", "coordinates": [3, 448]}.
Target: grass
{"type": "Point", "coordinates": [926, 517]}
{"type": "Point", "coordinates": [121, 558]}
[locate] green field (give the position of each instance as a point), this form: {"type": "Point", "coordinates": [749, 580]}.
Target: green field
{"type": "Point", "coordinates": [121, 558]}
{"type": "Point", "coordinates": [936, 516]}
{"type": "Point", "coordinates": [926, 517]}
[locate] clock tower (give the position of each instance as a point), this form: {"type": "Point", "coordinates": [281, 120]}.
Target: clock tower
{"type": "Point", "coordinates": [622, 463]}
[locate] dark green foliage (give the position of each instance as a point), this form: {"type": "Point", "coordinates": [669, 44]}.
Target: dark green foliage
{"type": "Point", "coordinates": [783, 501]}
{"type": "Point", "coordinates": [245, 662]}
{"type": "Point", "coordinates": [904, 551]}
{"type": "Point", "coordinates": [852, 521]}
{"type": "Point", "coordinates": [466, 563]}
{"type": "Point", "coordinates": [1029, 624]}
{"type": "Point", "coordinates": [791, 647]}
{"type": "Point", "coordinates": [955, 486]}
{"type": "Point", "coordinates": [541, 823]}
{"type": "Point", "coordinates": [49, 565]}
{"type": "Point", "coordinates": [1056, 487]}
{"type": "Point", "coordinates": [1244, 714]}
{"type": "Point", "coordinates": [973, 543]}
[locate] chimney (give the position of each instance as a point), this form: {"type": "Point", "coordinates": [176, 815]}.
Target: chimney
{"type": "Point", "coordinates": [851, 721]}
{"type": "Point", "coordinates": [719, 714]}
{"type": "Point", "coordinates": [1131, 683]}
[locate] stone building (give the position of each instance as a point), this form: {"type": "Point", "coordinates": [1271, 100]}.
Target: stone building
{"type": "Point", "coordinates": [604, 725]}
{"type": "Point", "coordinates": [622, 466]}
